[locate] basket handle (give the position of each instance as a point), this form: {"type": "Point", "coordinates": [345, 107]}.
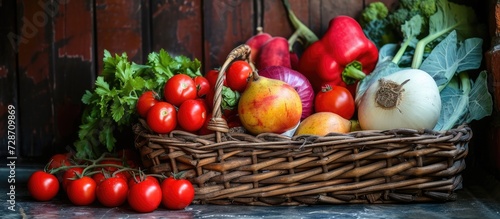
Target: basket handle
{"type": "Point", "coordinates": [217, 123]}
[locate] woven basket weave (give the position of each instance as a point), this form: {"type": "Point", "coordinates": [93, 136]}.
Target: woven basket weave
{"type": "Point", "coordinates": [390, 166]}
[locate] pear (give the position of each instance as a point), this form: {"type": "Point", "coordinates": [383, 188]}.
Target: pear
{"type": "Point", "coordinates": [322, 123]}
{"type": "Point", "coordinates": [269, 106]}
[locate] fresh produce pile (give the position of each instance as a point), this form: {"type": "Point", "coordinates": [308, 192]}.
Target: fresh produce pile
{"type": "Point", "coordinates": [110, 180]}
{"type": "Point", "coordinates": [416, 67]}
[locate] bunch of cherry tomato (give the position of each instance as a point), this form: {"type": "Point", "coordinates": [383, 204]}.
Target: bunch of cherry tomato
{"type": "Point", "coordinates": [111, 181]}
{"type": "Point", "coordinates": [187, 102]}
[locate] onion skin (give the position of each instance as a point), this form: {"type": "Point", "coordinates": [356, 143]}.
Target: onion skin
{"type": "Point", "coordinates": [295, 79]}
{"type": "Point", "coordinates": [418, 108]}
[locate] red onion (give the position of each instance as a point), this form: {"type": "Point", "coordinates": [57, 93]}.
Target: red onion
{"type": "Point", "coordinates": [295, 79]}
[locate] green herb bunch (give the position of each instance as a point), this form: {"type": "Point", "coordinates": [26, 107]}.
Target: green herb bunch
{"type": "Point", "coordinates": [111, 106]}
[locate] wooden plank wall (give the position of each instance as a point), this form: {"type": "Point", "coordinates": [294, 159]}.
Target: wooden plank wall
{"type": "Point", "coordinates": [52, 50]}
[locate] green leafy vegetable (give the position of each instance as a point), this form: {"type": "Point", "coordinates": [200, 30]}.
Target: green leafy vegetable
{"type": "Point", "coordinates": [462, 99]}
{"type": "Point", "coordinates": [230, 98]}
{"type": "Point", "coordinates": [111, 106]}
{"type": "Point", "coordinates": [449, 16]}
{"type": "Point", "coordinates": [450, 51]}
{"type": "Point", "coordinates": [448, 58]}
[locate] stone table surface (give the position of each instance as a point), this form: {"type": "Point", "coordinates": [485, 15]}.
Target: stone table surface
{"type": "Point", "coordinates": [478, 199]}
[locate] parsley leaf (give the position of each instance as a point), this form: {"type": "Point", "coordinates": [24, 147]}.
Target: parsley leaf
{"type": "Point", "coordinates": [111, 105]}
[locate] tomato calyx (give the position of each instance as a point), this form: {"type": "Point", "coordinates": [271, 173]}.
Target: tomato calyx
{"type": "Point", "coordinates": [143, 176]}
{"type": "Point", "coordinates": [179, 175]}
{"type": "Point", "coordinates": [326, 88]}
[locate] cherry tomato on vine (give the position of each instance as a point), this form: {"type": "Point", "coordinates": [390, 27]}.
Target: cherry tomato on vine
{"type": "Point", "coordinates": [69, 175]}
{"type": "Point", "coordinates": [162, 118]}
{"type": "Point", "coordinates": [81, 191]}
{"type": "Point", "coordinates": [145, 196]}
{"type": "Point", "coordinates": [112, 192]}
{"type": "Point", "coordinates": [146, 101]}
{"type": "Point", "coordinates": [43, 186]}
{"type": "Point", "coordinates": [103, 175]}
{"type": "Point", "coordinates": [124, 175]}
{"type": "Point", "coordinates": [59, 160]}
{"type": "Point", "coordinates": [202, 85]}
{"type": "Point", "coordinates": [192, 115]}
{"type": "Point", "coordinates": [98, 178]}
{"type": "Point", "coordinates": [237, 75]}
{"type": "Point", "coordinates": [179, 88]}
{"type": "Point", "coordinates": [177, 193]}
{"type": "Point", "coordinates": [211, 76]}
{"type": "Point", "coordinates": [137, 179]}
{"type": "Point", "coordinates": [335, 99]}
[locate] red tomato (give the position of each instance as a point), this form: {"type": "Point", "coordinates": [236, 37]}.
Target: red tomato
{"type": "Point", "coordinates": [98, 178]}
{"type": "Point", "coordinates": [82, 191]}
{"type": "Point", "coordinates": [162, 118]}
{"type": "Point", "coordinates": [336, 99]}
{"type": "Point", "coordinates": [43, 186]}
{"type": "Point", "coordinates": [202, 85]}
{"type": "Point", "coordinates": [177, 193]}
{"type": "Point", "coordinates": [112, 192]}
{"type": "Point", "coordinates": [133, 181]}
{"type": "Point", "coordinates": [209, 100]}
{"type": "Point", "coordinates": [204, 130]}
{"type": "Point", "coordinates": [146, 101]}
{"type": "Point", "coordinates": [237, 75]}
{"type": "Point", "coordinates": [179, 88]}
{"type": "Point", "coordinates": [192, 115]}
{"type": "Point", "coordinates": [124, 175]}
{"type": "Point", "coordinates": [234, 121]}
{"type": "Point", "coordinates": [211, 76]}
{"type": "Point", "coordinates": [70, 175]}
{"type": "Point", "coordinates": [103, 175]}
{"type": "Point", "coordinates": [145, 196]}
{"type": "Point", "coordinates": [59, 160]}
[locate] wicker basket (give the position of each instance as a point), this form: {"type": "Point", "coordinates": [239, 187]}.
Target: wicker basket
{"type": "Point", "coordinates": [391, 166]}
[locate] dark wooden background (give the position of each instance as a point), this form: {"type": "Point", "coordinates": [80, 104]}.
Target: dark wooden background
{"type": "Point", "coordinates": [51, 50]}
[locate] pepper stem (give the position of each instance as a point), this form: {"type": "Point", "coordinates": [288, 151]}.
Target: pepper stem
{"type": "Point", "coordinates": [300, 28]}
{"type": "Point", "coordinates": [353, 72]}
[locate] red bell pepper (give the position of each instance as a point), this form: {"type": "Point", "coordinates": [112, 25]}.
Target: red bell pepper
{"type": "Point", "coordinates": [343, 56]}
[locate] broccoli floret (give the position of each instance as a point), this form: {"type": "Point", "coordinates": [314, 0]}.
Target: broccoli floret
{"type": "Point", "coordinates": [427, 7]}
{"type": "Point", "coordinates": [375, 24]}
{"type": "Point", "coordinates": [398, 17]}
{"type": "Point", "coordinates": [409, 8]}
{"type": "Point", "coordinates": [374, 11]}
{"type": "Point", "coordinates": [380, 32]}
{"type": "Point", "coordinates": [411, 5]}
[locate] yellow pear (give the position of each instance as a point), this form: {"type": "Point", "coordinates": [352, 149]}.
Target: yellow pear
{"type": "Point", "coordinates": [269, 105]}
{"type": "Point", "coordinates": [322, 123]}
